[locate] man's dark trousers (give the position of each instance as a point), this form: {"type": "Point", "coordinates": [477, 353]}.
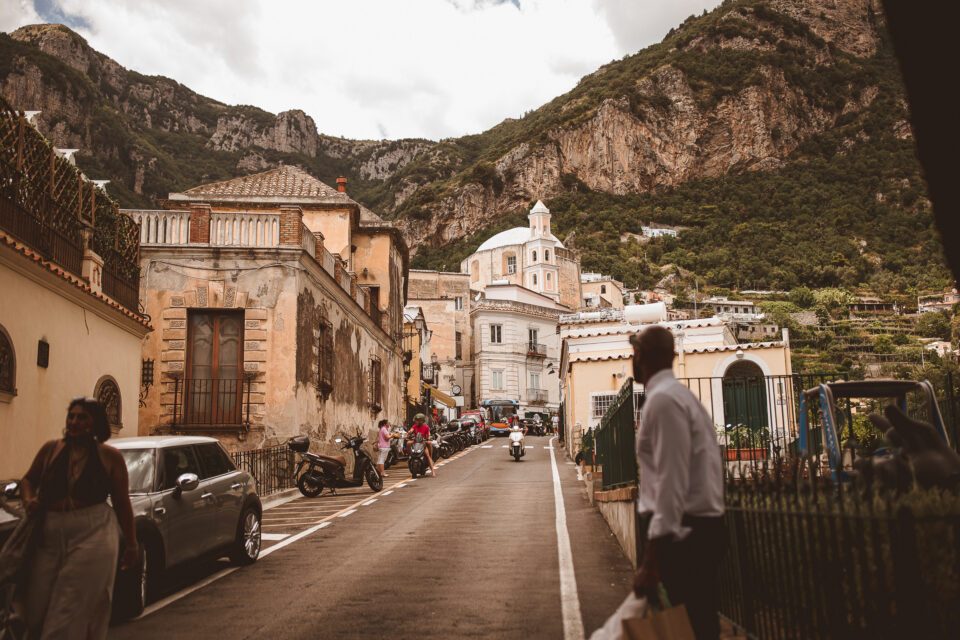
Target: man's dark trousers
{"type": "Point", "coordinates": [689, 570]}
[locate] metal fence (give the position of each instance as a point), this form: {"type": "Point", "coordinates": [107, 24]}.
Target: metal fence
{"type": "Point", "coordinates": [615, 439]}
{"type": "Point", "coordinates": [811, 561]}
{"type": "Point", "coordinates": [272, 468]}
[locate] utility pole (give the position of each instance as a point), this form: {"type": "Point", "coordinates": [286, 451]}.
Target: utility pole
{"type": "Point", "coordinates": [696, 294]}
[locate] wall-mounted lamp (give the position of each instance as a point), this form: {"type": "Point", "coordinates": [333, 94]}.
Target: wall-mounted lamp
{"type": "Point", "coordinates": [146, 379]}
{"type": "Point", "coordinates": [739, 354]}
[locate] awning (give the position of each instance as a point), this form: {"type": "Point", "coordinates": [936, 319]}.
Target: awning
{"type": "Point", "coordinates": [439, 396]}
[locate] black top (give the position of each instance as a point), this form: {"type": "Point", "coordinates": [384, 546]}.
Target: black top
{"type": "Point", "coordinates": [92, 487]}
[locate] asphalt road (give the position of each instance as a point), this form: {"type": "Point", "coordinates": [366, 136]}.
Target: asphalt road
{"type": "Point", "coordinates": [472, 553]}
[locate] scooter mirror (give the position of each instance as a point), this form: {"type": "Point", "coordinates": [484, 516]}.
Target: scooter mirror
{"type": "Point", "coordinates": [338, 440]}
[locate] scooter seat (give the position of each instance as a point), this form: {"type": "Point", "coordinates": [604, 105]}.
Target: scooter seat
{"type": "Point", "coordinates": [339, 459]}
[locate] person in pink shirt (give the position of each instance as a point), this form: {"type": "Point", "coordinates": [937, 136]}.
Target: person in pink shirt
{"type": "Point", "coordinates": [383, 443]}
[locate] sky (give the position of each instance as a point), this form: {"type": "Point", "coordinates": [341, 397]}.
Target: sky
{"type": "Point", "coordinates": [369, 69]}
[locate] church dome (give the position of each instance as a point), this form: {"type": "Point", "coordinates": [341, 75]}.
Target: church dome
{"type": "Point", "coordinates": [517, 235]}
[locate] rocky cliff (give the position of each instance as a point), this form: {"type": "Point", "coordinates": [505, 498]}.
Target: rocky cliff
{"type": "Point", "coordinates": [760, 88]}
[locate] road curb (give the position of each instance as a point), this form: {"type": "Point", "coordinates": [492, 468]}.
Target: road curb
{"type": "Point", "coordinates": [279, 498]}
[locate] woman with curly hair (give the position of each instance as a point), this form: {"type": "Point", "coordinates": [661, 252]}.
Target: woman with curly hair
{"type": "Point", "coordinates": [70, 578]}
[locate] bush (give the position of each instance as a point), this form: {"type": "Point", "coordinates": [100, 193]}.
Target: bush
{"type": "Point", "coordinates": [934, 325]}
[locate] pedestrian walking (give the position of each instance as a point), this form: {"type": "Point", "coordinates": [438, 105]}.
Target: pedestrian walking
{"type": "Point", "coordinates": [70, 578]}
{"type": "Point", "coordinates": [555, 424]}
{"type": "Point", "coordinates": [681, 487]}
{"type": "Point", "coordinates": [421, 428]}
{"type": "Point", "coordinates": [384, 436]}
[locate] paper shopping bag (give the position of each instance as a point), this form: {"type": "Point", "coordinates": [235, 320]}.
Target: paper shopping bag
{"type": "Point", "coordinates": [665, 624]}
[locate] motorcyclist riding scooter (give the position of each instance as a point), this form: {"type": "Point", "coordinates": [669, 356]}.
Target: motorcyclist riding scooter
{"type": "Point", "coordinates": [517, 448]}
{"type": "Point", "coordinates": [421, 428]}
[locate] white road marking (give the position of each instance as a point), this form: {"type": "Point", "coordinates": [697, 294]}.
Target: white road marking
{"type": "Point", "coordinates": [369, 502]}
{"type": "Point", "coordinates": [412, 480]}
{"type": "Point", "coordinates": [503, 446]}
{"type": "Point", "coordinates": [569, 600]}
{"type": "Point", "coordinates": [288, 540]}
{"type": "Point", "coordinates": [273, 537]}
{"type": "Point", "coordinates": [487, 446]}
{"type": "Point", "coordinates": [529, 446]}
{"type": "Point", "coordinates": [546, 447]}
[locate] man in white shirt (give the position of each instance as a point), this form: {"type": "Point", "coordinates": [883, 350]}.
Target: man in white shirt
{"type": "Point", "coordinates": [680, 487]}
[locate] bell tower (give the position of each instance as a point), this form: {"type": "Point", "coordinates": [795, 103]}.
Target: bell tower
{"type": "Point", "coordinates": [539, 220]}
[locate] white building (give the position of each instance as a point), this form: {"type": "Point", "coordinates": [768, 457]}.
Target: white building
{"type": "Point", "coordinates": [531, 257]}
{"type": "Point", "coordinates": [657, 232]}
{"type": "Point", "coordinates": [516, 347]}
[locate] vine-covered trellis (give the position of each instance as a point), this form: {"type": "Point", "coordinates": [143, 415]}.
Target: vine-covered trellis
{"type": "Point", "coordinates": [49, 205]}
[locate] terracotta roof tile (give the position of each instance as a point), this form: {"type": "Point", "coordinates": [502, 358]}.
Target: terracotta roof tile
{"type": "Point", "coordinates": [284, 181]}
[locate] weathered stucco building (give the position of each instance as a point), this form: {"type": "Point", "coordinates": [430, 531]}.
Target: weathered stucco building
{"type": "Point", "coordinates": [279, 305]}
{"type": "Point", "coordinates": [445, 300]}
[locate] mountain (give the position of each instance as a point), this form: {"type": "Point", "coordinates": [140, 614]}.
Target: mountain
{"type": "Point", "coordinates": [773, 133]}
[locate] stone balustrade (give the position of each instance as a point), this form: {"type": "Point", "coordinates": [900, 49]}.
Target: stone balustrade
{"type": "Point", "coordinates": [162, 226]}
{"type": "Point", "coordinates": [244, 229]}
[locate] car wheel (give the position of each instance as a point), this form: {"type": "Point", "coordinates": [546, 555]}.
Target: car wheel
{"type": "Point", "coordinates": [246, 548]}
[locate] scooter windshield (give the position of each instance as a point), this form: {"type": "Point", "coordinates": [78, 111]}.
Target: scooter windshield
{"type": "Point", "coordinates": [516, 436]}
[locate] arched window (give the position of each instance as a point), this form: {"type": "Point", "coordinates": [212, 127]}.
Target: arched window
{"type": "Point", "coordinates": [534, 259]}
{"type": "Point", "coordinates": [108, 393]}
{"type": "Point", "coordinates": [546, 255]}
{"type": "Point", "coordinates": [534, 279]}
{"type": "Point", "coordinates": [8, 364]}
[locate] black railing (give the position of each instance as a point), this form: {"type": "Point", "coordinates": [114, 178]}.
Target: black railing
{"type": "Point", "coordinates": [124, 290]}
{"type": "Point", "coordinates": [615, 440]}
{"type": "Point", "coordinates": [536, 350]}
{"type": "Point", "coordinates": [272, 468]}
{"type": "Point", "coordinates": [52, 244]}
{"type": "Point", "coordinates": [212, 403]}
{"type": "Point", "coordinates": [804, 561]}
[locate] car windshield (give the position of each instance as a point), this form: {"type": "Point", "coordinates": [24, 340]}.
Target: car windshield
{"type": "Point", "coordinates": [139, 468]}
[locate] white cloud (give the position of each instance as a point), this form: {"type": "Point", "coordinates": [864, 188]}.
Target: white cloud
{"type": "Point", "coordinates": [370, 68]}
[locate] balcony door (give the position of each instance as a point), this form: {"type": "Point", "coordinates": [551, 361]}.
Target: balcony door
{"type": "Point", "coordinates": [214, 389]}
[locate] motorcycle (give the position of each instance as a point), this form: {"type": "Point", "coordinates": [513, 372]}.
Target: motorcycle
{"type": "Point", "coordinates": [399, 450]}
{"type": "Point", "coordinates": [323, 471]}
{"type": "Point", "coordinates": [516, 444]}
{"type": "Point", "coordinates": [418, 457]}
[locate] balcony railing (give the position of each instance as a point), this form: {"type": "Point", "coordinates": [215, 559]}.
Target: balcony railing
{"type": "Point", "coordinates": [536, 350]}
{"type": "Point", "coordinates": [211, 402]}
{"type": "Point", "coordinates": [60, 246]}
{"type": "Point", "coordinates": [536, 396]}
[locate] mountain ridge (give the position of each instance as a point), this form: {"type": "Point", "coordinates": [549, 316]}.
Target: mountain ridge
{"type": "Point", "coordinates": [747, 93]}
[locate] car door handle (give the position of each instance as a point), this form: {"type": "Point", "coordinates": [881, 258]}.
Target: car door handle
{"type": "Point", "coordinates": [160, 511]}
{"type": "Point", "coordinates": [207, 496]}
{"type": "Point", "coordinates": [236, 485]}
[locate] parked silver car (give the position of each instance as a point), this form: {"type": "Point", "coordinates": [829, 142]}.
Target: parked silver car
{"type": "Point", "coordinates": [189, 501]}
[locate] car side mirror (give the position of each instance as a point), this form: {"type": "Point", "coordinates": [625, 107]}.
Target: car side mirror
{"type": "Point", "coordinates": [11, 490]}
{"type": "Point", "coordinates": [186, 482]}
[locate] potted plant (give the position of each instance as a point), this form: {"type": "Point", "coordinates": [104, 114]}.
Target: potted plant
{"type": "Point", "coordinates": [744, 442]}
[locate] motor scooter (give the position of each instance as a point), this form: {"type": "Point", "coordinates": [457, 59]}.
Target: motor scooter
{"type": "Point", "coordinates": [328, 472]}
{"type": "Point", "coordinates": [399, 449]}
{"type": "Point", "coordinates": [417, 463]}
{"type": "Point", "coordinates": [517, 449]}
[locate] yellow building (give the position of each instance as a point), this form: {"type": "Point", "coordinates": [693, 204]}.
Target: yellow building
{"type": "Point", "coordinates": [737, 383]}
{"type": "Point", "coordinates": [601, 292]}
{"type": "Point", "coordinates": [70, 324]}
